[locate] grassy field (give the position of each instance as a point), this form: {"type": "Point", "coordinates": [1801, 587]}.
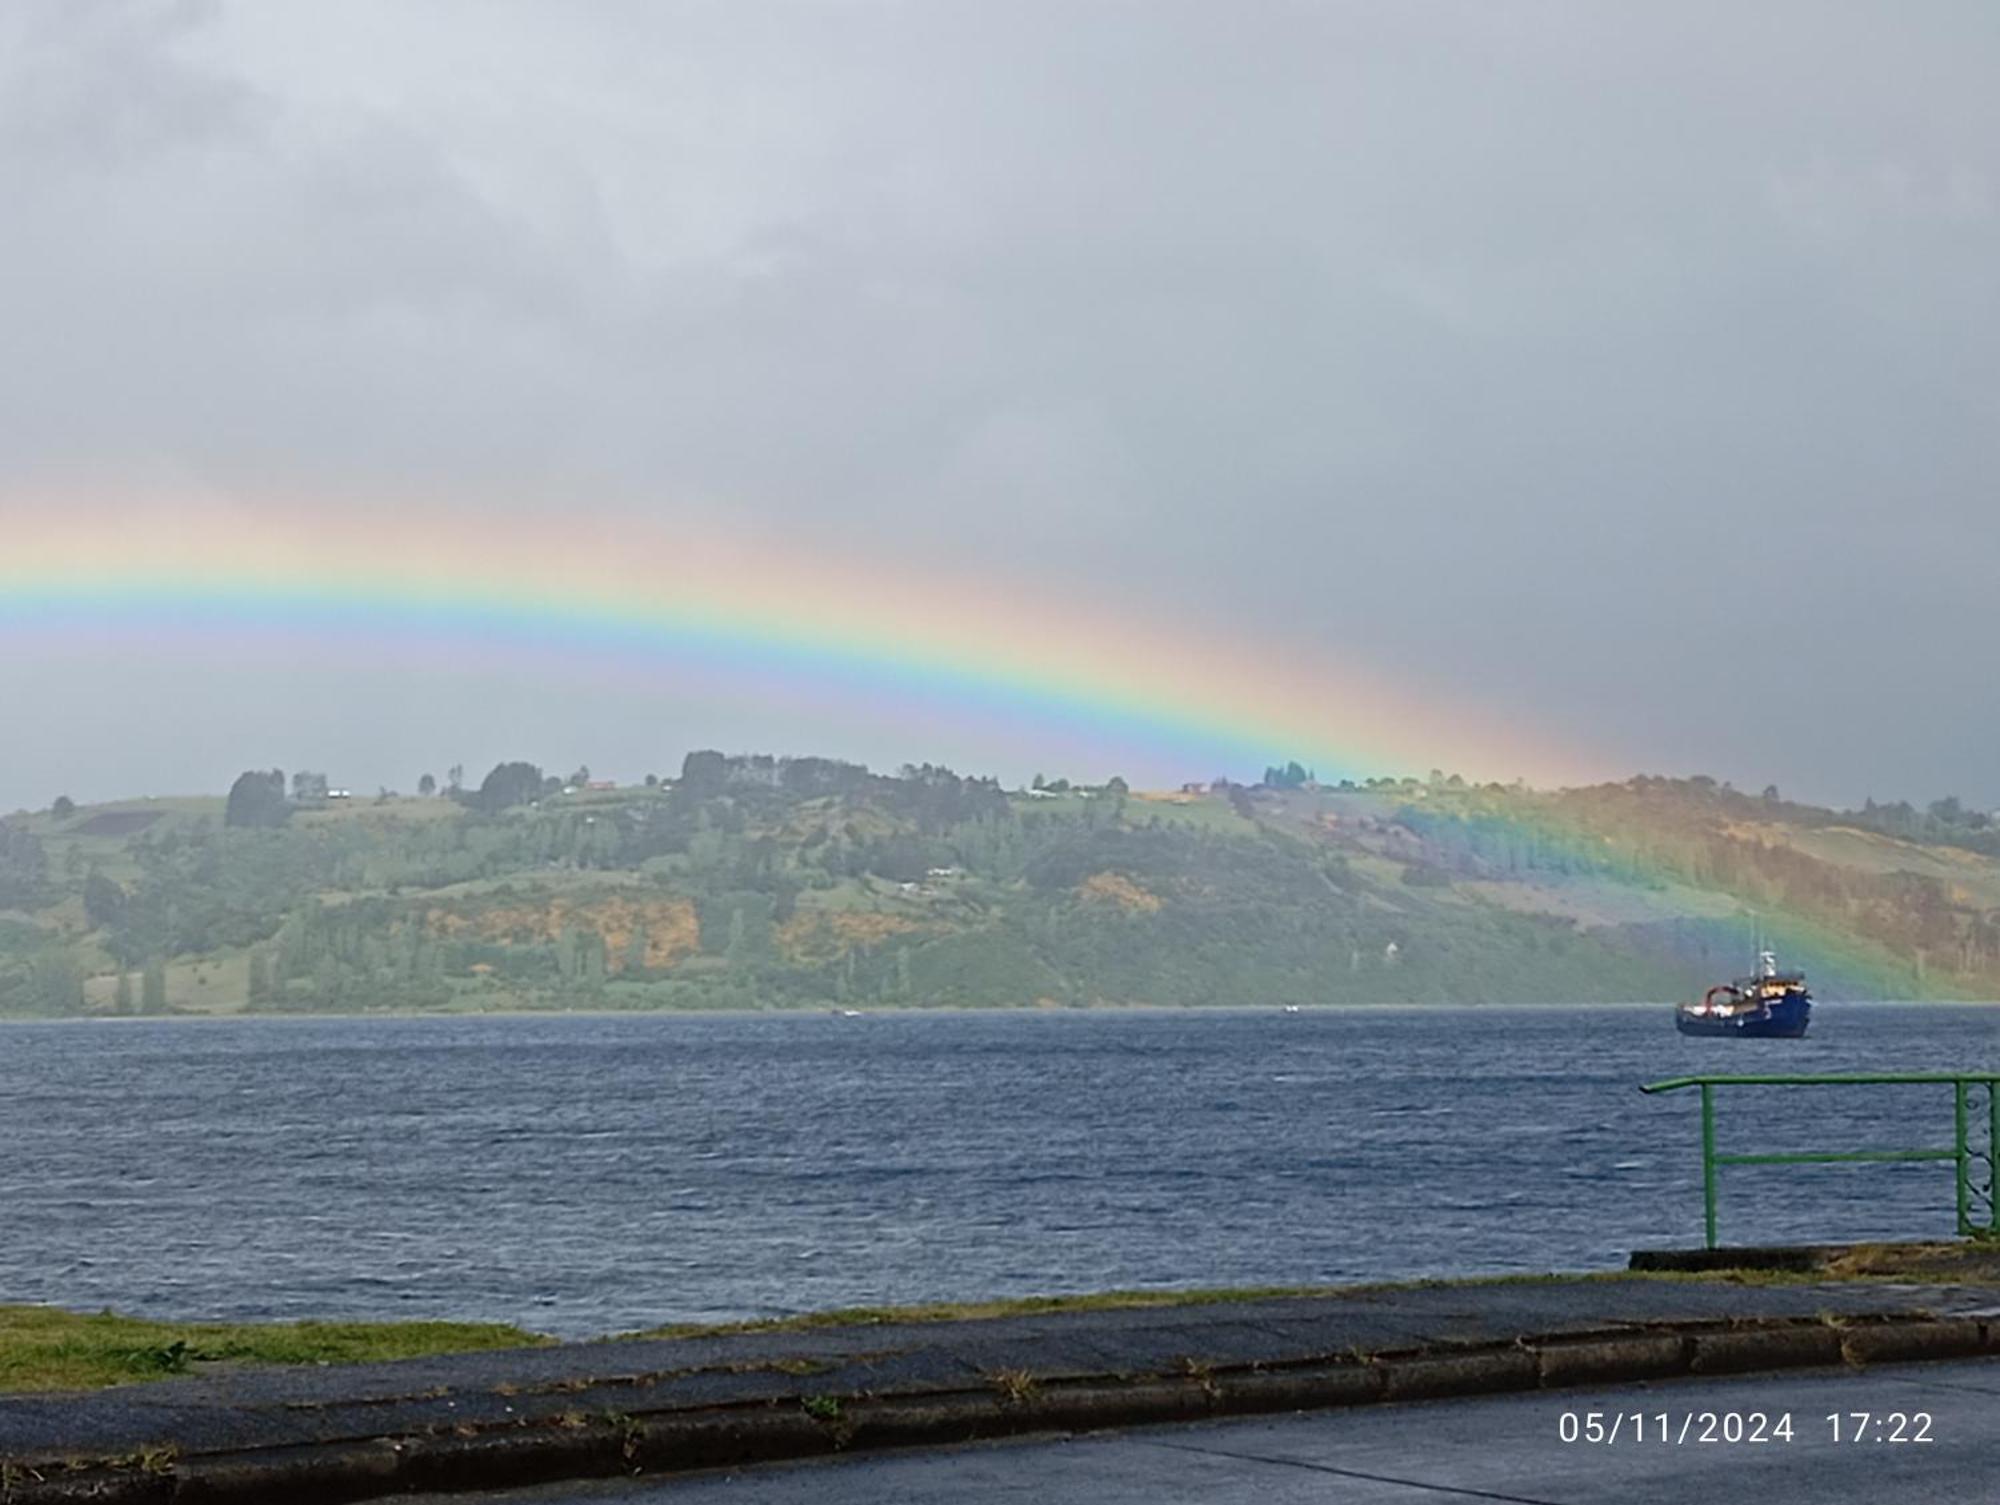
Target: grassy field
{"type": "Point", "coordinates": [1973, 879]}
{"type": "Point", "coordinates": [217, 984]}
{"type": "Point", "coordinates": [1197, 813]}
{"type": "Point", "coordinates": [43, 1348]}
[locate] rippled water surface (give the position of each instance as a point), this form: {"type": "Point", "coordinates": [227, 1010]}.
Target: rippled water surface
{"type": "Point", "coordinates": [584, 1174]}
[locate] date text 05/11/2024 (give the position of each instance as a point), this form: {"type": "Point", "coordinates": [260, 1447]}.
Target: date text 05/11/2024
{"type": "Point", "coordinates": [1608, 1428]}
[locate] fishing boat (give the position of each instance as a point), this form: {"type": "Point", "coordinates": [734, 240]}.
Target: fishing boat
{"type": "Point", "coordinates": [1771, 1005]}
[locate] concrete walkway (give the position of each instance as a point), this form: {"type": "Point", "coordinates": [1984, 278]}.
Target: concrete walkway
{"type": "Point", "coordinates": [600, 1409]}
{"type": "Point", "coordinates": [1450, 1452]}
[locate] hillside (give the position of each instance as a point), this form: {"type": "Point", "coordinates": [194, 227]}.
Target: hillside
{"type": "Point", "coordinates": [761, 882]}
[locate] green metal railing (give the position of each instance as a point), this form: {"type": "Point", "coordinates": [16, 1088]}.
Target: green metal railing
{"type": "Point", "coordinates": [1978, 1202]}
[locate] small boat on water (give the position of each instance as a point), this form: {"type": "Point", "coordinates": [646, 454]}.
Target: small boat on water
{"type": "Point", "coordinates": [1772, 1005]}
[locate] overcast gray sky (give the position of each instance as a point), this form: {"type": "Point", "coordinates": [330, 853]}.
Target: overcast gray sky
{"type": "Point", "coordinates": [1629, 369]}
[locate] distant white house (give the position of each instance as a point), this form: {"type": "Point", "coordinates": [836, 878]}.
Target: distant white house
{"type": "Point", "coordinates": [340, 794]}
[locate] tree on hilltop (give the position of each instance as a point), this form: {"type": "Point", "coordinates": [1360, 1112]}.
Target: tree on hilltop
{"type": "Point", "coordinates": [508, 785]}
{"type": "Point", "coordinates": [257, 799]}
{"type": "Point", "coordinates": [704, 772]}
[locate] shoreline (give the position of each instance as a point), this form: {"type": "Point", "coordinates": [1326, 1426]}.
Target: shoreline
{"type": "Point", "coordinates": [821, 1011]}
{"type": "Point", "coordinates": [310, 1340]}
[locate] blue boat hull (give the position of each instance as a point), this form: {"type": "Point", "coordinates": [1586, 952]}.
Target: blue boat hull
{"type": "Point", "coordinates": [1782, 1019]}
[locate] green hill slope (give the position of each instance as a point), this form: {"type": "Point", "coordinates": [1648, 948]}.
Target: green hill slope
{"type": "Point", "coordinates": [759, 882]}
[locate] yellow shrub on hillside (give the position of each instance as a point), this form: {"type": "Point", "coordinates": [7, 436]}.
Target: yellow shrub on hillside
{"type": "Point", "coordinates": [1116, 888]}
{"type": "Point", "coordinates": [821, 935]}
{"type": "Point", "coordinates": [673, 930]}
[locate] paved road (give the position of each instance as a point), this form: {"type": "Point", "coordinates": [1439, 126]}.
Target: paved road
{"type": "Point", "coordinates": [1501, 1448]}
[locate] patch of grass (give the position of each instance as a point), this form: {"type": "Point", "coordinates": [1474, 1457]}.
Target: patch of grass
{"type": "Point", "coordinates": [1947, 1262]}
{"type": "Point", "coordinates": [1028, 1306]}
{"type": "Point", "coordinates": [964, 1311]}
{"type": "Point", "coordinates": [794, 1367]}
{"type": "Point", "coordinates": [1202, 1373]}
{"type": "Point", "coordinates": [45, 1348]}
{"type": "Point", "coordinates": [631, 1431]}
{"type": "Point", "coordinates": [1973, 1261]}
{"type": "Point", "coordinates": [1016, 1387]}
{"type": "Point", "coordinates": [157, 1460]}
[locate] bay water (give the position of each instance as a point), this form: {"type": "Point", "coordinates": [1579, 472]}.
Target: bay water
{"type": "Point", "coordinates": [588, 1174]}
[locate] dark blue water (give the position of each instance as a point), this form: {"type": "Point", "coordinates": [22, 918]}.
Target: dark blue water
{"type": "Point", "coordinates": [591, 1174]}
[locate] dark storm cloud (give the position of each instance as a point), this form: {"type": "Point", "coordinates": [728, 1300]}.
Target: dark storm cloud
{"type": "Point", "coordinates": [1631, 369]}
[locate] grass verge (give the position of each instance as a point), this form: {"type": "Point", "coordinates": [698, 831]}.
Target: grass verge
{"type": "Point", "coordinates": [45, 1348]}
{"type": "Point", "coordinates": [1965, 1263]}
{"type": "Point", "coordinates": [1028, 1306]}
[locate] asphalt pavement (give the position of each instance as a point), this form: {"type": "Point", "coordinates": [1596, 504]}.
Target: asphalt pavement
{"type": "Point", "coordinates": [1513, 1448]}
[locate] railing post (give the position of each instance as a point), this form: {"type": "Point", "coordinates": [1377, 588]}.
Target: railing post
{"type": "Point", "coordinates": [1963, 1163]}
{"type": "Point", "coordinates": [1993, 1155]}
{"type": "Point", "coordinates": [1708, 1158]}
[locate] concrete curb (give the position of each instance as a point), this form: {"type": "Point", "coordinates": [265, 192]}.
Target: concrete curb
{"type": "Point", "coordinates": [606, 1443]}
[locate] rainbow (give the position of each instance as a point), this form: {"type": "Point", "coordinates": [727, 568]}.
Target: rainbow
{"type": "Point", "coordinates": [1841, 961]}
{"type": "Point", "coordinates": [777, 624]}
{"type": "Point", "coordinates": [806, 629]}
